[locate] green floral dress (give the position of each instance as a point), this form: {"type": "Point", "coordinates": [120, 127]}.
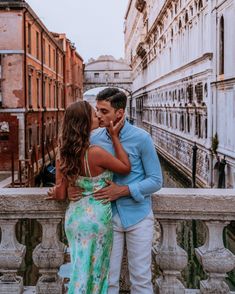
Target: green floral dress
{"type": "Point", "coordinates": [88, 226]}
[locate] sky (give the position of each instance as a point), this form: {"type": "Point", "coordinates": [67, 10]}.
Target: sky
{"type": "Point", "coordinates": [95, 26]}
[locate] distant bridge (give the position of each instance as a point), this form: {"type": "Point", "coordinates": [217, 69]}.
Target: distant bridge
{"type": "Point", "coordinates": [106, 71]}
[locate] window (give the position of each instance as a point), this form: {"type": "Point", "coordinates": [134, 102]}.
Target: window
{"type": "Point", "coordinates": [200, 5]}
{"type": "Point", "coordinates": [186, 17]}
{"type": "Point", "coordinates": [199, 92]}
{"type": "Point", "coordinates": [43, 49]}
{"type": "Point", "coordinates": [30, 138]}
{"type": "Point", "coordinates": [221, 46]}
{"type": "Point", "coordinates": [116, 75]}
{"type": "Point", "coordinates": [38, 135]}
{"type": "Point", "coordinates": [54, 96]}
{"type": "Point", "coordinates": [61, 65]}
{"type": "Point", "coordinates": [44, 94]}
{"type": "Point", "coordinates": [96, 74]}
{"type": "Point", "coordinates": [38, 92]}
{"type": "Point", "coordinates": [49, 90]}
{"type": "Point", "coordinates": [53, 134]}
{"type": "Point", "coordinates": [188, 122]}
{"type": "Point", "coordinates": [190, 93]}
{"type": "Point", "coordinates": [54, 59]}
{"type": "Point", "coordinates": [182, 122]}
{"type": "Point", "coordinates": [49, 55]}
{"type": "Point", "coordinates": [58, 96]}
{"type": "Point", "coordinates": [37, 45]}
{"type": "Point", "coordinates": [50, 132]}
{"type": "Point", "coordinates": [0, 81]}
{"type": "Point", "coordinates": [29, 38]}
{"type": "Point", "coordinates": [30, 90]}
{"type": "Point", "coordinates": [62, 98]}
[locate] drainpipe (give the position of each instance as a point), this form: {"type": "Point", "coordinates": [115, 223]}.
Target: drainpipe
{"type": "Point", "coordinates": [43, 100]}
{"type": "Point", "coordinates": [64, 80]}
{"type": "Point", "coordinates": [57, 102]}
{"type": "Point", "coordinates": [25, 80]}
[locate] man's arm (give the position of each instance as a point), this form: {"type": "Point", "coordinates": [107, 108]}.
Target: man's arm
{"type": "Point", "coordinates": [153, 173]}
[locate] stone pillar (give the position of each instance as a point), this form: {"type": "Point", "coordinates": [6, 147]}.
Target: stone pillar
{"type": "Point", "coordinates": [171, 259]}
{"type": "Point", "coordinates": [215, 259]}
{"type": "Point", "coordinates": [48, 257]}
{"type": "Point", "coordinates": [11, 257]}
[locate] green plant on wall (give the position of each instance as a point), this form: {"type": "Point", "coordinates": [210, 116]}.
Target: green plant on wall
{"type": "Point", "coordinates": [215, 143]}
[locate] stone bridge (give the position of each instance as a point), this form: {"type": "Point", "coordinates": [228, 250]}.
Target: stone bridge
{"type": "Point", "coordinates": [106, 71]}
{"type": "Point", "coordinates": [215, 208]}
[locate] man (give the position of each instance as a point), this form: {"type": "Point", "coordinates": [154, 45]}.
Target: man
{"type": "Point", "coordinates": [130, 195]}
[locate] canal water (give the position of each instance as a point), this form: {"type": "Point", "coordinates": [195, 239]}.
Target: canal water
{"type": "Point", "coordinates": [171, 177]}
{"type": "Point", "coordinates": [191, 234]}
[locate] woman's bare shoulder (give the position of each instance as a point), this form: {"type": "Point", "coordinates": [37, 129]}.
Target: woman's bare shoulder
{"type": "Point", "coordinates": [95, 149]}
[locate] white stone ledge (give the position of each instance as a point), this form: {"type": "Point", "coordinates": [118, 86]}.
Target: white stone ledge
{"type": "Point", "coordinates": [21, 203]}
{"type": "Point", "coordinates": [203, 204]}
{"type": "Point", "coordinates": [168, 203]}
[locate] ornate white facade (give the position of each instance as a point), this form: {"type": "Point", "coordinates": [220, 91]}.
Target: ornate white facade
{"type": "Point", "coordinates": [182, 55]}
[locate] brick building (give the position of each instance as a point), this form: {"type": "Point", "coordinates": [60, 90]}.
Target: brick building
{"type": "Point", "coordinates": [73, 71]}
{"type": "Point", "coordinates": [40, 73]}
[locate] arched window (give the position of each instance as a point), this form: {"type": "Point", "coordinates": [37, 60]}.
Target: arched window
{"type": "Point", "coordinates": [186, 17]}
{"type": "Point", "coordinates": [188, 122]}
{"type": "Point", "coordinates": [206, 127]}
{"type": "Point", "coordinates": [221, 46]}
{"type": "Point", "coordinates": [180, 24]}
{"type": "Point", "coordinates": [182, 122]}
{"type": "Point", "coordinates": [200, 4]}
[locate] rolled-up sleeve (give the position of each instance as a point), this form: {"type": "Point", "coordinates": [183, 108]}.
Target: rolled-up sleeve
{"type": "Point", "coordinates": [153, 174]}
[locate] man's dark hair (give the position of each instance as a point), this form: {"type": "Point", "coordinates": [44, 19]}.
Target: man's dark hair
{"type": "Point", "coordinates": [116, 97]}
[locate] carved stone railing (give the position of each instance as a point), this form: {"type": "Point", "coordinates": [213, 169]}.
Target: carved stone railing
{"type": "Point", "coordinates": [48, 256]}
{"type": "Point", "coordinates": [216, 208]}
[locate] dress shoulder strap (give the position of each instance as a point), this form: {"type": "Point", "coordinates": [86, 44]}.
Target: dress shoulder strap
{"type": "Point", "coordinates": [86, 164]}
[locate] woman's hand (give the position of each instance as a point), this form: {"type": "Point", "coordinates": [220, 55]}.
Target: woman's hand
{"type": "Point", "coordinates": [50, 194]}
{"type": "Point", "coordinates": [115, 129]}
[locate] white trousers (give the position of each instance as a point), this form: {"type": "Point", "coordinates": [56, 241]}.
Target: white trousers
{"type": "Point", "coordinates": [139, 246]}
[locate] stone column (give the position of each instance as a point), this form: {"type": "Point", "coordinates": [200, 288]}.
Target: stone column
{"type": "Point", "coordinates": [215, 259]}
{"type": "Point", "coordinates": [48, 257]}
{"type": "Point", "coordinates": [11, 257]}
{"type": "Point", "coordinates": [171, 259]}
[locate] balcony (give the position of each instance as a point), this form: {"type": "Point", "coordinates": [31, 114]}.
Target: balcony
{"type": "Point", "coordinates": [214, 207]}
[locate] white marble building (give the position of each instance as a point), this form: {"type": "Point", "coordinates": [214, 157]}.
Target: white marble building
{"type": "Point", "coordinates": [182, 55]}
{"type": "Point", "coordinates": [106, 71]}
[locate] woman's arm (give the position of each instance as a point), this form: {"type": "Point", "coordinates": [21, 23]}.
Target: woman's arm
{"type": "Point", "coordinates": [119, 164]}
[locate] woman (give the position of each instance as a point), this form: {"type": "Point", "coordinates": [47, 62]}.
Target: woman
{"type": "Point", "coordinates": [88, 222]}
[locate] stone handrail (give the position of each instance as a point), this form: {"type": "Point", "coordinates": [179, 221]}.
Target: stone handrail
{"type": "Point", "coordinates": [215, 207]}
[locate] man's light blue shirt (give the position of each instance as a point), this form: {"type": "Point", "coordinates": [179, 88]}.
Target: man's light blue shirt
{"type": "Point", "coordinates": [145, 177]}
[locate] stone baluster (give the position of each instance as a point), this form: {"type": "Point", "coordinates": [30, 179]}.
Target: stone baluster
{"type": "Point", "coordinates": [12, 254]}
{"type": "Point", "coordinates": [215, 259]}
{"type": "Point", "coordinates": [48, 256]}
{"type": "Point", "coordinates": [171, 259]}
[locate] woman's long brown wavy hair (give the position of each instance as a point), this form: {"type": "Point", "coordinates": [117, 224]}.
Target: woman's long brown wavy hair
{"type": "Point", "coordinates": [74, 139]}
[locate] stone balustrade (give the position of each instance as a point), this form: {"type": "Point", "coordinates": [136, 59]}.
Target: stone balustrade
{"type": "Point", "coordinates": [215, 208]}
